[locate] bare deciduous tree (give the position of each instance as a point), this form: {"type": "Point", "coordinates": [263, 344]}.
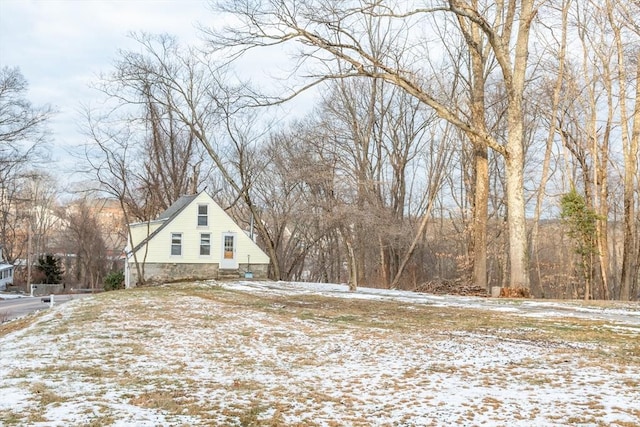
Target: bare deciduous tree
{"type": "Point", "coordinates": [109, 159]}
{"type": "Point", "coordinates": [22, 125]}
{"type": "Point", "coordinates": [22, 136]}
{"type": "Point", "coordinates": [332, 37]}
{"type": "Point", "coordinates": [623, 21]}
{"type": "Point", "coordinates": [193, 91]}
{"type": "Point", "coordinates": [87, 243]}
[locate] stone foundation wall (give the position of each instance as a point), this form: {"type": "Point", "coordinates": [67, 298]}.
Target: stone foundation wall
{"type": "Point", "coordinates": [174, 272]}
{"type": "Point", "coordinates": [170, 272]}
{"type": "Point", "coordinates": [43, 289]}
{"type": "Point", "coordinates": [260, 271]}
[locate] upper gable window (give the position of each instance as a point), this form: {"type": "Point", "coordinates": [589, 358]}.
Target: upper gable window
{"type": "Point", "coordinates": [203, 215]}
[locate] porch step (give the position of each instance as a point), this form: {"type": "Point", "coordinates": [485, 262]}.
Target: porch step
{"type": "Point", "coordinates": [227, 274]}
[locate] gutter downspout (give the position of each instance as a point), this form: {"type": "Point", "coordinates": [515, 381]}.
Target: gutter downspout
{"type": "Point", "coordinates": [127, 270]}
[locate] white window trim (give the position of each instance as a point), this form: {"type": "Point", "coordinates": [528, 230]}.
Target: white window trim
{"type": "Point", "coordinates": [198, 216]}
{"type": "Point", "coordinates": [171, 254]}
{"type": "Point", "coordinates": [200, 246]}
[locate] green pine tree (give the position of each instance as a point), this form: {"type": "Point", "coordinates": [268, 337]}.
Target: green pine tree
{"type": "Point", "coordinates": [581, 221]}
{"type": "Point", "coordinates": [51, 268]}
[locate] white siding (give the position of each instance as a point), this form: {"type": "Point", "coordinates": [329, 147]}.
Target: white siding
{"type": "Point", "coordinates": [141, 230]}
{"type": "Point", "coordinates": [159, 247]}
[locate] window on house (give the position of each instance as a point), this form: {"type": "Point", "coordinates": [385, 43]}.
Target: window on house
{"type": "Point", "coordinates": [176, 243]}
{"type": "Point", "coordinates": [203, 215]}
{"type": "Point", "coordinates": [205, 244]}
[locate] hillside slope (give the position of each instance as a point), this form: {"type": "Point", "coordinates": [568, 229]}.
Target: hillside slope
{"type": "Point", "coordinates": [287, 354]}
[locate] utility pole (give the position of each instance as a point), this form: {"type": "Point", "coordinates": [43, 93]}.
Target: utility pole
{"type": "Point", "coordinates": [29, 232]}
{"type": "Point", "coordinates": [35, 178]}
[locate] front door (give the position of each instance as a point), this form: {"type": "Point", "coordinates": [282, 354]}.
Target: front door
{"type": "Point", "coordinates": [228, 260]}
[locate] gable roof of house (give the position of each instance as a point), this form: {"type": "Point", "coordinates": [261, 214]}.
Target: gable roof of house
{"type": "Point", "coordinates": [177, 206]}
{"type": "Point", "coordinates": [167, 216]}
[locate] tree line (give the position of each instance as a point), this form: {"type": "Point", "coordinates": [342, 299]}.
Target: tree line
{"type": "Point", "coordinates": [483, 142]}
{"type": "Point", "coordinates": [48, 239]}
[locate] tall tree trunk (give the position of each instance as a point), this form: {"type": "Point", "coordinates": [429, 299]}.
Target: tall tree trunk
{"type": "Point", "coordinates": [473, 35]}
{"type": "Point", "coordinates": [516, 219]}
{"type": "Point", "coordinates": [630, 149]}
{"type": "Point", "coordinates": [480, 216]}
{"type": "Point", "coordinates": [629, 275]}
{"type": "Point", "coordinates": [384, 269]}
{"type": "Point", "coordinates": [352, 262]}
{"type": "Point", "coordinates": [514, 159]}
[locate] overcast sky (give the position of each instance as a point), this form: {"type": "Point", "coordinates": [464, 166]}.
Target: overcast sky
{"type": "Point", "coordinates": [61, 45]}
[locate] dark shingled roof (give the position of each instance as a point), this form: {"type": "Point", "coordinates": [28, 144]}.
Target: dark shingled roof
{"type": "Point", "coordinates": [177, 206]}
{"type": "Point", "coordinates": [167, 216]}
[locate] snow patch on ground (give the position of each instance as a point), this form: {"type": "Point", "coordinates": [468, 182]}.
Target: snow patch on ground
{"type": "Point", "coordinates": [10, 296]}
{"type": "Point", "coordinates": [626, 313]}
{"type": "Point", "coordinates": [222, 360]}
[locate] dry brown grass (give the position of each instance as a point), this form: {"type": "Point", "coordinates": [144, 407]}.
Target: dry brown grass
{"type": "Point", "coordinates": [404, 318]}
{"type": "Point", "coordinates": [45, 395]}
{"type": "Point", "coordinates": [16, 325]}
{"type": "Point", "coordinates": [195, 351]}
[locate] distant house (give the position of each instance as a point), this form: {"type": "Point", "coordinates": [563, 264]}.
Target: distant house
{"type": "Point", "coordinates": [6, 275]}
{"type": "Point", "coordinates": [193, 239]}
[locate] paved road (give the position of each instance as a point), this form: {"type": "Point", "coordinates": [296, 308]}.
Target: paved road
{"type": "Point", "coordinates": [17, 307]}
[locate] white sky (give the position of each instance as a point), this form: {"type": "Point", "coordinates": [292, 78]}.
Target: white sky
{"type": "Point", "coordinates": [61, 46]}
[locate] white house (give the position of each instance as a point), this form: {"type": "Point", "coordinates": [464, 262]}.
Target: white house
{"type": "Point", "coordinates": [194, 239]}
{"type": "Point", "coordinates": [6, 275]}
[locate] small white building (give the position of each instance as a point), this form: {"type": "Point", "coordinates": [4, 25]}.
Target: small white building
{"type": "Point", "coordinates": [194, 239]}
{"type": "Point", "coordinates": [6, 275]}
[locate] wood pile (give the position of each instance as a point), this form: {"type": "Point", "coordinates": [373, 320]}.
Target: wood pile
{"type": "Point", "coordinates": [514, 293]}
{"type": "Point", "coordinates": [451, 287]}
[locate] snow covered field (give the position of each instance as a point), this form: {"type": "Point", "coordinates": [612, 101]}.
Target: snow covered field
{"type": "Point", "coordinates": [289, 354]}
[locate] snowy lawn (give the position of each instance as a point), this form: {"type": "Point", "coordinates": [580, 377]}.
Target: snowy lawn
{"type": "Point", "coordinates": [286, 354]}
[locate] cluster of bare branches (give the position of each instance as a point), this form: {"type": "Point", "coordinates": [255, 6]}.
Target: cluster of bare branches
{"type": "Point", "coordinates": [23, 137]}
{"type": "Point", "coordinates": [440, 142]}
